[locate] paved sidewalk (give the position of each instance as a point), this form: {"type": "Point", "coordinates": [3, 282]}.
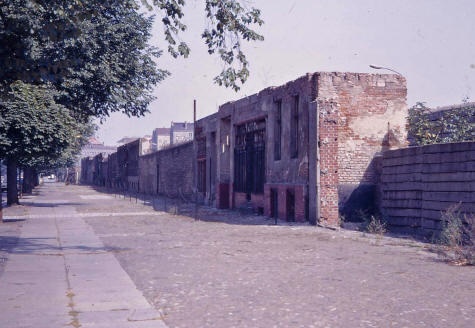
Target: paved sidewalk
{"type": "Point", "coordinates": [221, 270]}
{"type": "Point", "coordinates": [59, 274]}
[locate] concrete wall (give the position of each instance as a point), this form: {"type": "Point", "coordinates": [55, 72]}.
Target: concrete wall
{"type": "Point", "coordinates": [353, 118]}
{"type": "Point", "coordinates": [418, 183]}
{"type": "Point", "coordinates": [358, 116]}
{"type": "Point", "coordinates": [175, 171]}
{"type": "Point", "coordinates": [205, 132]}
{"type": "Point", "coordinates": [284, 173]}
{"type": "Point", "coordinates": [112, 180]}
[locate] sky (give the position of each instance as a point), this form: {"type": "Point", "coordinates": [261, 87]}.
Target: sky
{"type": "Point", "coordinates": [430, 42]}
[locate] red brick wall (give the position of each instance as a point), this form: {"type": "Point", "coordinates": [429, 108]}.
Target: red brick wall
{"type": "Point", "coordinates": [239, 199]}
{"type": "Point", "coordinates": [371, 118]}
{"type": "Point", "coordinates": [257, 201]}
{"type": "Point", "coordinates": [328, 127]}
{"type": "Point", "coordinates": [282, 200]}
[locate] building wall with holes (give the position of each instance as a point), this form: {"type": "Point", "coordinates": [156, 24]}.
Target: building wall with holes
{"type": "Point", "coordinates": [358, 116]}
{"type": "Point", "coordinates": [287, 172]}
{"type": "Point", "coordinates": [361, 115]}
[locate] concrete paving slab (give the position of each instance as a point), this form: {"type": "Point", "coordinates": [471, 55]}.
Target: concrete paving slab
{"type": "Point", "coordinates": [37, 320]}
{"type": "Point", "coordinates": [59, 274]}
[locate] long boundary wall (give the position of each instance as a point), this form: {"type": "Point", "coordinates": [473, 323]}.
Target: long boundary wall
{"type": "Point", "coordinates": [418, 183]}
{"type": "Point", "coordinates": [174, 167]}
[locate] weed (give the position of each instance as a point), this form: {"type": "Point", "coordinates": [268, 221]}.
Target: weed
{"type": "Point", "coordinates": [376, 225]}
{"type": "Point", "coordinates": [372, 223]}
{"type": "Point", "coordinates": [457, 236]}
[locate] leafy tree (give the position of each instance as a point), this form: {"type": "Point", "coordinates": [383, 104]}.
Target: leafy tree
{"type": "Point", "coordinates": [425, 126]}
{"type": "Point", "coordinates": [229, 23]}
{"type": "Point", "coordinates": [79, 59]}
{"type": "Point", "coordinates": [96, 52]}
{"type": "Point", "coordinates": [32, 127]}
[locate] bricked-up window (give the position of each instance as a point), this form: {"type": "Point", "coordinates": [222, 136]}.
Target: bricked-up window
{"type": "Point", "coordinates": [294, 129]}
{"type": "Point", "coordinates": [278, 130]}
{"type": "Point", "coordinates": [201, 148]}
{"type": "Point", "coordinates": [202, 175]}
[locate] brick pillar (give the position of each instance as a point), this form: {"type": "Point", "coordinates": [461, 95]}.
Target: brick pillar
{"type": "Point", "coordinates": [267, 204]}
{"type": "Point", "coordinates": [328, 125]}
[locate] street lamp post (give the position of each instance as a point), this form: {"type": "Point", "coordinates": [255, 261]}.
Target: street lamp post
{"type": "Point", "coordinates": [389, 69]}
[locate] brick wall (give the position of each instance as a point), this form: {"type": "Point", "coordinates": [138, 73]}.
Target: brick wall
{"type": "Point", "coordinates": [371, 118]}
{"type": "Point", "coordinates": [420, 182]}
{"type": "Point", "coordinates": [329, 162]}
{"type": "Point", "coordinates": [282, 189]}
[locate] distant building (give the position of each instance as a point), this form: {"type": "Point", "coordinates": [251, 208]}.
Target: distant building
{"type": "Point", "coordinates": [160, 138]}
{"type": "Point", "coordinates": [146, 144]}
{"type": "Point", "coordinates": [126, 140]}
{"type": "Point", "coordinates": [95, 147]}
{"type": "Point", "coordinates": [88, 152]}
{"type": "Point", "coordinates": [181, 132]}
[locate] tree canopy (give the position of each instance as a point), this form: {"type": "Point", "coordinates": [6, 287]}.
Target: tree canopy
{"type": "Point", "coordinates": [65, 63]}
{"type": "Point", "coordinates": [229, 23]}
{"type": "Point", "coordinates": [33, 125]}
{"type": "Point", "coordinates": [96, 53]}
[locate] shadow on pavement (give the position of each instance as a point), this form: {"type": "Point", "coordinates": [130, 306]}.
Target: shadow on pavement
{"type": "Point", "coordinates": [19, 245]}
{"type": "Point", "coordinates": [36, 204]}
{"type": "Point", "coordinates": [183, 207]}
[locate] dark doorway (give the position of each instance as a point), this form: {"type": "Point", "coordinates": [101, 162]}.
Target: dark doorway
{"type": "Point", "coordinates": [223, 195]}
{"type": "Point", "coordinates": [290, 204]}
{"type": "Point", "coordinates": [202, 175]}
{"type": "Point", "coordinates": [274, 203]}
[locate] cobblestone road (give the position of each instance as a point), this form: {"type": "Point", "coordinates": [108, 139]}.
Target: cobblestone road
{"type": "Point", "coordinates": [241, 271]}
{"type": "Point", "coordinates": [235, 271]}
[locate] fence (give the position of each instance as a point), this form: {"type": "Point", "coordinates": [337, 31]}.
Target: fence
{"type": "Point", "coordinates": [418, 183]}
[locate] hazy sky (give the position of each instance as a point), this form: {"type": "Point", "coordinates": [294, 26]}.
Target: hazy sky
{"type": "Point", "coordinates": [430, 42]}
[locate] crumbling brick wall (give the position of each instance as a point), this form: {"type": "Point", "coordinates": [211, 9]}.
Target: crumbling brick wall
{"type": "Point", "coordinates": [329, 161]}
{"type": "Point", "coordinates": [371, 118]}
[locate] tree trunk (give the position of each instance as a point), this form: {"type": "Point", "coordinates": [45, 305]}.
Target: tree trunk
{"type": "Point", "coordinates": [1, 195]}
{"type": "Point", "coordinates": [12, 191]}
{"type": "Point", "coordinates": [27, 180]}
{"type": "Point", "coordinates": [20, 183]}
{"type": "Point", "coordinates": [36, 180]}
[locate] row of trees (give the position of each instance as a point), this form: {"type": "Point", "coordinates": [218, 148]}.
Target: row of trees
{"type": "Point", "coordinates": [64, 64]}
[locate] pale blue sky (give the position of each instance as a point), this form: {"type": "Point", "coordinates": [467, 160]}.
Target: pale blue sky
{"type": "Point", "coordinates": [431, 42]}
